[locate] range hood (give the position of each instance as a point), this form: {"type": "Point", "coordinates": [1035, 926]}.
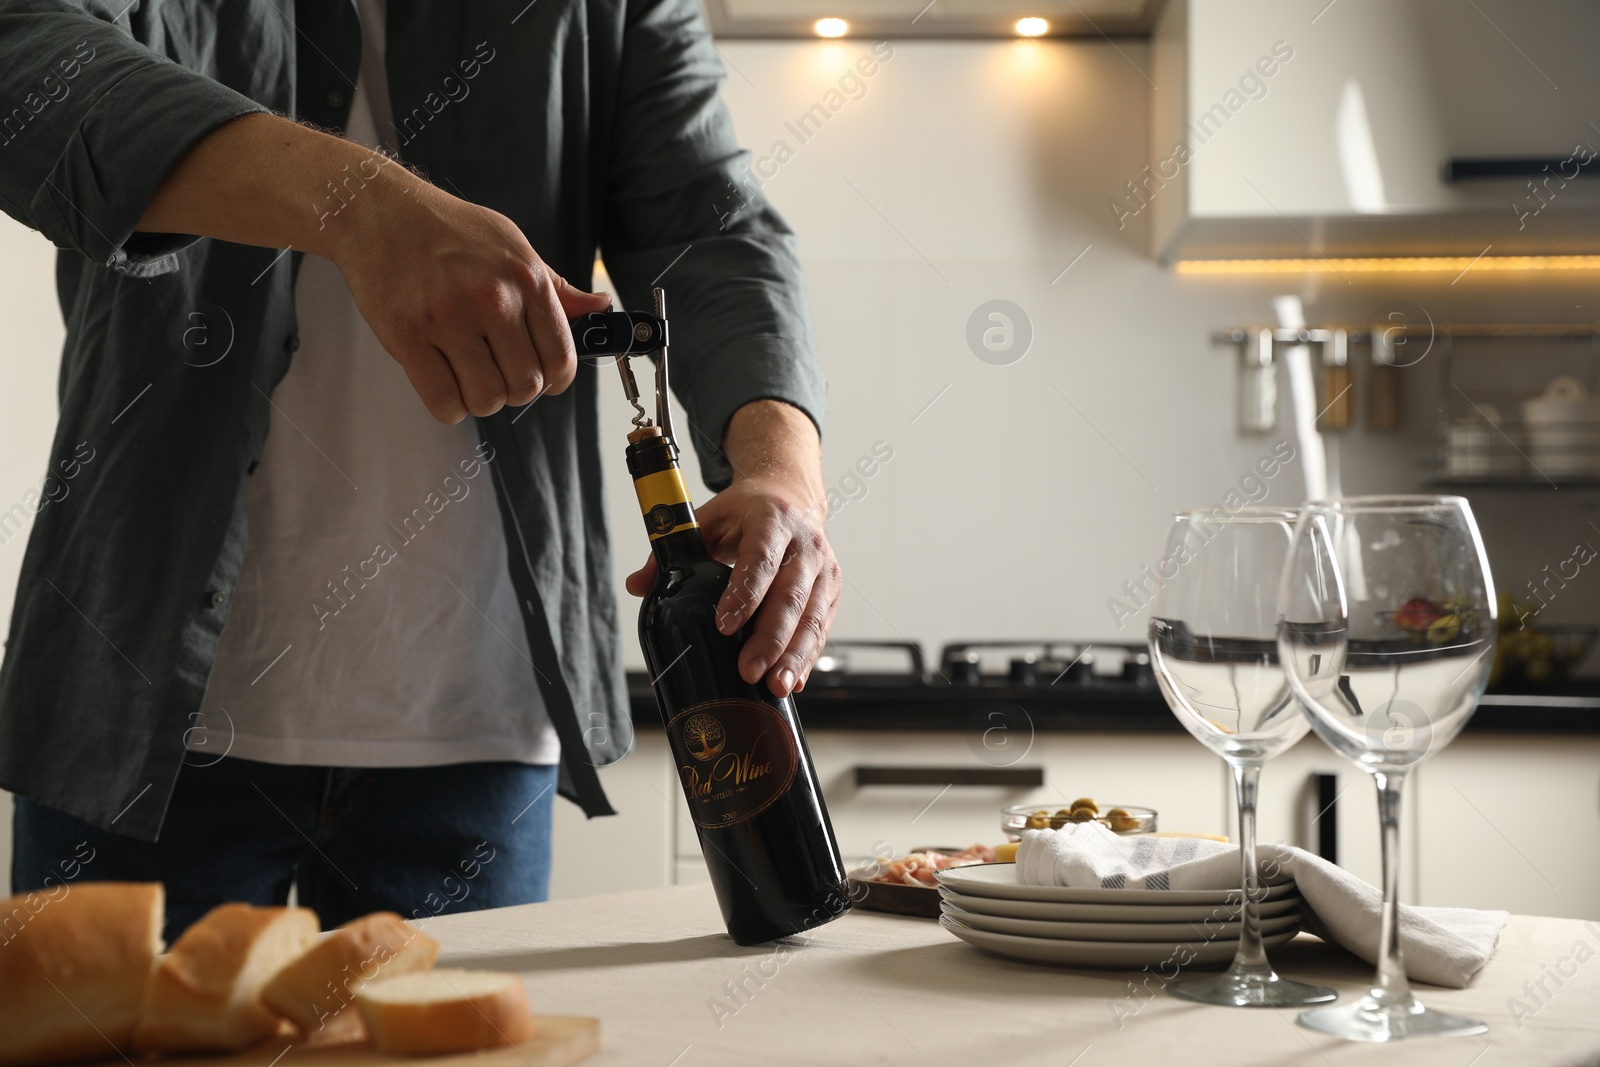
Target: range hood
{"type": "Point", "coordinates": [1371, 128]}
{"type": "Point", "coordinates": [896, 19]}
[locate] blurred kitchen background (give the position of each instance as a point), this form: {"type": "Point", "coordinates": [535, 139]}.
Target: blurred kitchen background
{"type": "Point", "coordinates": [1042, 240]}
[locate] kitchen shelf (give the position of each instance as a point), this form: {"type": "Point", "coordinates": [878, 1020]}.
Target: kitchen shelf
{"type": "Point", "coordinates": [1518, 484]}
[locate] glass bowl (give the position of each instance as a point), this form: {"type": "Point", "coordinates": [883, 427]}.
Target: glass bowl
{"type": "Point", "coordinates": [1130, 819]}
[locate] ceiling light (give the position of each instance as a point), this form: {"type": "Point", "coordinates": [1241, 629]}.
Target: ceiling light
{"type": "Point", "coordinates": [1032, 27]}
{"type": "Point", "coordinates": [832, 27]}
{"type": "Point", "coordinates": [1458, 264]}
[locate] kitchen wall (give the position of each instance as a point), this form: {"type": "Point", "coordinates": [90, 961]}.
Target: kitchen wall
{"type": "Point", "coordinates": [1020, 497]}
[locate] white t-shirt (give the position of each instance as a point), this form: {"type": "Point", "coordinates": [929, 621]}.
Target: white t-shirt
{"type": "Point", "coordinates": [375, 624]}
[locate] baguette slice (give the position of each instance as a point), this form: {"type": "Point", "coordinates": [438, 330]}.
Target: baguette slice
{"type": "Point", "coordinates": [314, 990]}
{"type": "Point", "coordinates": [73, 970]}
{"type": "Point", "coordinates": [434, 1012]}
{"type": "Point", "coordinates": [205, 995]}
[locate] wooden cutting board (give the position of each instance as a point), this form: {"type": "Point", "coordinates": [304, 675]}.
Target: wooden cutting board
{"type": "Point", "coordinates": [561, 1040]}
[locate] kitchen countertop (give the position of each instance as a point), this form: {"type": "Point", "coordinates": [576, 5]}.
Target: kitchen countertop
{"type": "Point", "coordinates": [1101, 708]}
{"type": "Point", "coordinates": [665, 980]}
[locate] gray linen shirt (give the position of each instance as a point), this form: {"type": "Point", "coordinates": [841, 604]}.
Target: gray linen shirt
{"type": "Point", "coordinates": [593, 124]}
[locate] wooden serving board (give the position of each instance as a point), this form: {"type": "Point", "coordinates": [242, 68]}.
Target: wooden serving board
{"type": "Point", "coordinates": [921, 901]}
{"type": "Point", "coordinates": [559, 1041]}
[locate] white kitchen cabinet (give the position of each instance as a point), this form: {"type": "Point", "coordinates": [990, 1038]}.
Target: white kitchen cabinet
{"type": "Point", "coordinates": [1281, 132]}
{"type": "Point", "coordinates": [1169, 772]}
{"type": "Point", "coordinates": [629, 850]}
{"type": "Point", "coordinates": [1493, 821]}
{"type": "Point", "coordinates": [1512, 822]}
{"type": "Point", "coordinates": [1288, 811]}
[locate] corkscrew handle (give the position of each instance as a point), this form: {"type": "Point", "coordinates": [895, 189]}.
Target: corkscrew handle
{"type": "Point", "coordinates": [619, 333]}
{"type": "Point", "coordinates": [625, 334]}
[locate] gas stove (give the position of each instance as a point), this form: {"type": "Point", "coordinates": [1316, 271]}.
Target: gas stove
{"type": "Point", "coordinates": [985, 665]}
{"type": "Point", "coordinates": [1052, 685]}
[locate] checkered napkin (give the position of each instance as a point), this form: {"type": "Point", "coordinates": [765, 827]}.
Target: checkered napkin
{"type": "Point", "coordinates": [1442, 946]}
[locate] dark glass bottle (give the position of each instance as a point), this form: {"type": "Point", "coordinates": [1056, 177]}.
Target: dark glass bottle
{"type": "Point", "coordinates": [741, 756]}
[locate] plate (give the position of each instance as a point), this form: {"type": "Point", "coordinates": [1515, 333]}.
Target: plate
{"type": "Point", "coordinates": [1138, 913]}
{"type": "Point", "coordinates": [1113, 954]}
{"type": "Point", "coordinates": [1000, 880]}
{"type": "Point", "coordinates": [1113, 931]}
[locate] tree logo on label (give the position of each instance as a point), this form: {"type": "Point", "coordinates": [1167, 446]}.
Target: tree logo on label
{"type": "Point", "coordinates": [660, 519]}
{"type": "Point", "coordinates": [703, 736]}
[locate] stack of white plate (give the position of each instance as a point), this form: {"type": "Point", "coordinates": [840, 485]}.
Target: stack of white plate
{"type": "Point", "coordinates": [1121, 928]}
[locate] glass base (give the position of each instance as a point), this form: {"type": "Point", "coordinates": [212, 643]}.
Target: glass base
{"type": "Point", "coordinates": [1367, 1020]}
{"type": "Point", "coordinates": [1251, 989]}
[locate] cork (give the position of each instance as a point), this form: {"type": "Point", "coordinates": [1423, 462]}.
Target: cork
{"type": "Point", "coordinates": [643, 433]}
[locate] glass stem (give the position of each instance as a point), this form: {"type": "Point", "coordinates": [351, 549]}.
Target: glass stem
{"type": "Point", "coordinates": [1392, 989]}
{"type": "Point", "coordinates": [1251, 954]}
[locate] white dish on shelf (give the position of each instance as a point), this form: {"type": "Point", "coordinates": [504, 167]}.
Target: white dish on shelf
{"type": "Point", "coordinates": [1165, 932]}
{"type": "Point", "coordinates": [1000, 880]}
{"type": "Point", "coordinates": [1121, 955]}
{"type": "Point", "coordinates": [1564, 430]}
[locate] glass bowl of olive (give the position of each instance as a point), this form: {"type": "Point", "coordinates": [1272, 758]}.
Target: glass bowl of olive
{"type": "Point", "coordinates": [1118, 818]}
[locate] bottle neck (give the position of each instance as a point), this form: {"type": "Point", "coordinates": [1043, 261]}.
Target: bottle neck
{"type": "Point", "coordinates": [669, 520]}
{"type": "Point", "coordinates": [679, 550]}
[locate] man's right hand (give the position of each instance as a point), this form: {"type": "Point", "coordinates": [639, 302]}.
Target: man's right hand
{"type": "Point", "coordinates": [452, 290]}
{"type": "Point", "coordinates": [456, 294]}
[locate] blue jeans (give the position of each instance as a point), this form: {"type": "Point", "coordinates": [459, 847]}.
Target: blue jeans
{"type": "Point", "coordinates": [421, 841]}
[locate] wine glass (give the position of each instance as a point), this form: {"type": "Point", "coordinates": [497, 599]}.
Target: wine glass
{"type": "Point", "coordinates": [1387, 638]}
{"type": "Point", "coordinates": [1213, 644]}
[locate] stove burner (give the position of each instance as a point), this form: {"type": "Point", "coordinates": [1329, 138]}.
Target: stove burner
{"type": "Point", "coordinates": [1015, 664]}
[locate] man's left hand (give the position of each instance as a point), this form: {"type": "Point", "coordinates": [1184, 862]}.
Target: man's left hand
{"type": "Point", "coordinates": [768, 526]}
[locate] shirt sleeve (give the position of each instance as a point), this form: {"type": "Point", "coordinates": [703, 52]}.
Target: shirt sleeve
{"type": "Point", "coordinates": [682, 212]}
{"type": "Point", "coordinates": [91, 122]}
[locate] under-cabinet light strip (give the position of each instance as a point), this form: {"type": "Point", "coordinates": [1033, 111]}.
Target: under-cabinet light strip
{"type": "Point", "coordinates": [1455, 264]}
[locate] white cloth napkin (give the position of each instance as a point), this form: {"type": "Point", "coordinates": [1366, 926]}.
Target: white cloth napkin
{"type": "Point", "coordinates": [1442, 946]}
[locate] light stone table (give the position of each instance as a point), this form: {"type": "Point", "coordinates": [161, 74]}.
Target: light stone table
{"type": "Point", "coordinates": [672, 990]}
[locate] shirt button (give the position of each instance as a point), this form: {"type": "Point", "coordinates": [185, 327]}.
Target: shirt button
{"type": "Point", "coordinates": [218, 599]}
{"type": "Point", "coordinates": [335, 99]}
{"type": "Point", "coordinates": [291, 343]}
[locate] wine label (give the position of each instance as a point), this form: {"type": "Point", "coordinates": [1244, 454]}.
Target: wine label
{"type": "Point", "coordinates": [735, 759]}
{"type": "Point", "coordinates": [664, 499]}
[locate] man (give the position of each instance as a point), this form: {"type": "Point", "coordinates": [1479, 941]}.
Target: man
{"type": "Point", "coordinates": [298, 620]}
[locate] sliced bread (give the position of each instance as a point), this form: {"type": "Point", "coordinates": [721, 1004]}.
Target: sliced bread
{"type": "Point", "coordinates": [434, 1012]}
{"type": "Point", "coordinates": [205, 994]}
{"type": "Point", "coordinates": [317, 990]}
{"type": "Point", "coordinates": [74, 963]}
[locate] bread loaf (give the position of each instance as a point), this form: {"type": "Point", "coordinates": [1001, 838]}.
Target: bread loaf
{"type": "Point", "coordinates": [317, 990]}
{"type": "Point", "coordinates": [74, 963]}
{"type": "Point", "coordinates": [435, 1012]}
{"type": "Point", "coordinates": [205, 994]}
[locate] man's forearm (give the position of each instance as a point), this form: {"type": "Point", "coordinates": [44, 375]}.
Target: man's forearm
{"type": "Point", "coordinates": [265, 180]}
{"type": "Point", "coordinates": [770, 439]}
{"type": "Point", "coordinates": [453, 291]}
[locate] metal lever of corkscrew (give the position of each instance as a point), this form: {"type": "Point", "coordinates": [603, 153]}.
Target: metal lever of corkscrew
{"type": "Point", "coordinates": [625, 334]}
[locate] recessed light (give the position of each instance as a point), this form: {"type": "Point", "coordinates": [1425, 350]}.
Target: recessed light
{"type": "Point", "coordinates": [832, 27]}
{"type": "Point", "coordinates": [1032, 27]}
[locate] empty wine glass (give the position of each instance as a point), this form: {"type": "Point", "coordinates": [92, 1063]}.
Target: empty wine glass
{"type": "Point", "coordinates": [1387, 638]}
{"type": "Point", "coordinates": [1213, 644]}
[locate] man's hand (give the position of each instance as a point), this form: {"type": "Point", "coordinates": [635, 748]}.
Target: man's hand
{"type": "Point", "coordinates": [768, 526]}
{"type": "Point", "coordinates": [456, 294]}
{"type": "Point", "coordinates": [453, 291]}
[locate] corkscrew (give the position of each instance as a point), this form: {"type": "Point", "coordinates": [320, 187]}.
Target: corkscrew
{"type": "Point", "coordinates": [625, 334]}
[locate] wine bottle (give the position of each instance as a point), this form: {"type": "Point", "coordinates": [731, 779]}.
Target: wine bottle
{"type": "Point", "coordinates": [741, 756]}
